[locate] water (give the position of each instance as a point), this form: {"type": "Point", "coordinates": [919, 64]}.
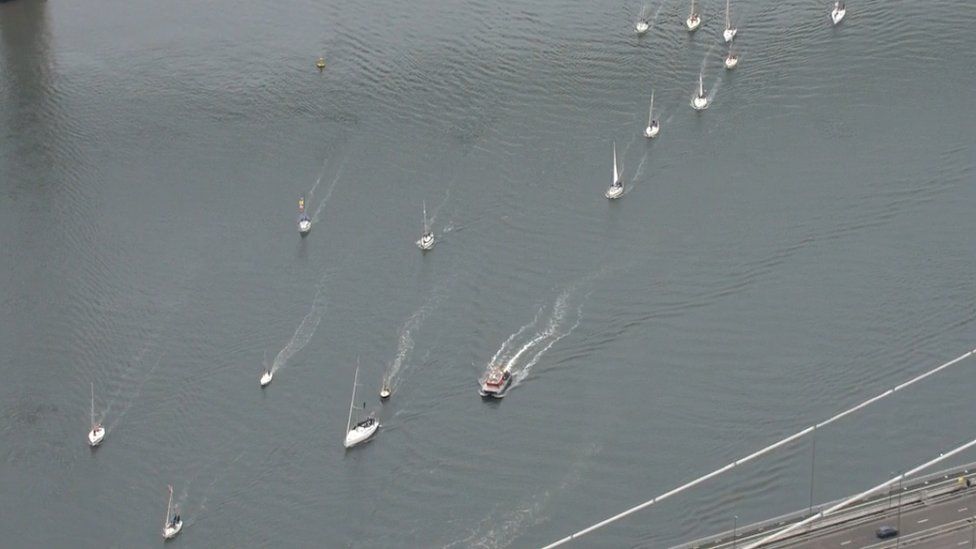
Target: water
{"type": "Point", "coordinates": [803, 244]}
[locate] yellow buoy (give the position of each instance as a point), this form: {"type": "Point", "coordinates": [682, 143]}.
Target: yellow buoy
{"type": "Point", "coordinates": [320, 63]}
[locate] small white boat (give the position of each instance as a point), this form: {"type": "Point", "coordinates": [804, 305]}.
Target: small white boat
{"type": "Point", "coordinates": [495, 382]}
{"type": "Point", "coordinates": [694, 19]}
{"type": "Point", "coordinates": [700, 101]}
{"type": "Point", "coordinates": [837, 14]}
{"type": "Point", "coordinates": [653, 126]}
{"type": "Point", "coordinates": [731, 60]}
{"type": "Point", "coordinates": [173, 524]}
{"type": "Point", "coordinates": [642, 23]}
{"type": "Point", "coordinates": [266, 378]}
{"type": "Point", "coordinates": [729, 32]}
{"type": "Point", "coordinates": [426, 241]}
{"type": "Point", "coordinates": [385, 390]}
{"type": "Point", "coordinates": [616, 188]}
{"type": "Point", "coordinates": [304, 223]}
{"type": "Point", "coordinates": [97, 432]}
{"type": "Point", "coordinates": [365, 428]}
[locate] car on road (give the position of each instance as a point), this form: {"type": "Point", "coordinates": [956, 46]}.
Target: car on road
{"type": "Point", "coordinates": [886, 532]}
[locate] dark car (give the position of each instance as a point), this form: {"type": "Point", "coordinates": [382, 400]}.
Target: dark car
{"type": "Point", "coordinates": [886, 532]}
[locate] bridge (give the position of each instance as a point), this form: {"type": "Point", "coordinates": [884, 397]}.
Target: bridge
{"type": "Point", "coordinates": [932, 511]}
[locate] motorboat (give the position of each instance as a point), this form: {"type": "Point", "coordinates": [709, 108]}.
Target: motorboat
{"type": "Point", "coordinates": [653, 126]}
{"type": "Point", "coordinates": [495, 383]}
{"type": "Point", "coordinates": [616, 189]}
{"type": "Point", "coordinates": [837, 14]}
{"type": "Point", "coordinates": [173, 524]}
{"type": "Point", "coordinates": [97, 432]}
{"type": "Point", "coordinates": [385, 390]}
{"type": "Point", "coordinates": [266, 377]}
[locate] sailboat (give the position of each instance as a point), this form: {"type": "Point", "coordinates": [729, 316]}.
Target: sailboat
{"type": "Point", "coordinates": [363, 430]}
{"type": "Point", "coordinates": [731, 60]}
{"type": "Point", "coordinates": [837, 14]}
{"type": "Point", "coordinates": [694, 20]}
{"type": "Point", "coordinates": [729, 32]}
{"type": "Point", "coordinates": [173, 523]}
{"type": "Point", "coordinates": [642, 23]}
{"type": "Point", "coordinates": [700, 101]}
{"type": "Point", "coordinates": [304, 223]}
{"type": "Point", "coordinates": [652, 125]}
{"type": "Point", "coordinates": [426, 241]}
{"type": "Point", "coordinates": [97, 432]}
{"type": "Point", "coordinates": [268, 374]}
{"type": "Point", "coordinates": [616, 189]}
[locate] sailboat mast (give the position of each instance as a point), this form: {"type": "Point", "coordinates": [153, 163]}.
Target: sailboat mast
{"type": "Point", "coordinates": [352, 402]}
{"type": "Point", "coordinates": [701, 86]}
{"type": "Point", "coordinates": [728, 22]}
{"type": "Point", "coordinates": [692, 7]}
{"type": "Point", "coordinates": [93, 405]}
{"type": "Point", "coordinates": [169, 506]}
{"type": "Point", "coordinates": [425, 217]}
{"type": "Point", "coordinates": [650, 111]}
{"type": "Point", "coordinates": [616, 176]}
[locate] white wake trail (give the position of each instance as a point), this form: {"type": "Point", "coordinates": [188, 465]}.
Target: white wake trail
{"type": "Point", "coordinates": [508, 342]}
{"type": "Point", "coordinates": [303, 334]}
{"type": "Point", "coordinates": [328, 193]}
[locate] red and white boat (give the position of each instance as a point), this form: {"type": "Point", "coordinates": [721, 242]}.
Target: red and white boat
{"type": "Point", "coordinates": [495, 383]}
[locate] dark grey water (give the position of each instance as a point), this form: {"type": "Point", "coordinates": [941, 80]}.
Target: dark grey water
{"type": "Point", "coordinates": [806, 242]}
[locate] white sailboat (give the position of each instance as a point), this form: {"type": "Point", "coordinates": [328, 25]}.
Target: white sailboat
{"type": "Point", "coordinates": [837, 14]}
{"type": "Point", "coordinates": [653, 126]}
{"type": "Point", "coordinates": [729, 32]}
{"type": "Point", "coordinates": [97, 432]}
{"type": "Point", "coordinates": [642, 23]}
{"type": "Point", "coordinates": [363, 430]}
{"type": "Point", "coordinates": [616, 189]}
{"type": "Point", "coordinates": [426, 241]}
{"type": "Point", "coordinates": [304, 223]}
{"type": "Point", "coordinates": [173, 523]}
{"type": "Point", "coordinates": [731, 60]}
{"type": "Point", "coordinates": [268, 374]}
{"type": "Point", "coordinates": [694, 20]}
{"type": "Point", "coordinates": [700, 101]}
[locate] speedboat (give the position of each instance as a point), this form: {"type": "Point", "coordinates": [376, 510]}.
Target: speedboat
{"type": "Point", "coordinates": [729, 32]}
{"type": "Point", "coordinates": [616, 189]}
{"type": "Point", "coordinates": [495, 383]}
{"type": "Point", "coordinates": [653, 126]}
{"type": "Point", "coordinates": [700, 101]}
{"type": "Point", "coordinates": [385, 390]}
{"type": "Point", "coordinates": [266, 378]}
{"type": "Point", "coordinates": [837, 14]}
{"type": "Point", "coordinates": [304, 223]}
{"type": "Point", "coordinates": [694, 20]}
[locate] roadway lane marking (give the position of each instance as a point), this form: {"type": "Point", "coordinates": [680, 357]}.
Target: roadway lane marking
{"type": "Point", "coordinates": [922, 521]}
{"type": "Point", "coordinates": [964, 509]}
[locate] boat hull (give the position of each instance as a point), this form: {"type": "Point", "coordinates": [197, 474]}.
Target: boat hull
{"type": "Point", "coordinates": [729, 34]}
{"type": "Point", "coordinates": [170, 531]}
{"type": "Point", "coordinates": [266, 379]}
{"type": "Point", "coordinates": [731, 62]}
{"type": "Point", "coordinates": [699, 103]}
{"type": "Point", "coordinates": [651, 132]}
{"type": "Point", "coordinates": [95, 436]}
{"type": "Point", "coordinates": [615, 191]}
{"type": "Point", "coordinates": [641, 27]}
{"type": "Point", "coordinates": [836, 16]}
{"type": "Point", "coordinates": [425, 243]}
{"type": "Point", "coordinates": [693, 23]}
{"type": "Point", "coordinates": [360, 434]}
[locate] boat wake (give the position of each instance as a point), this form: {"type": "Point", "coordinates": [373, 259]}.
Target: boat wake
{"type": "Point", "coordinates": [311, 193]}
{"type": "Point", "coordinates": [328, 192]}
{"type": "Point", "coordinates": [499, 532]}
{"type": "Point", "coordinates": [303, 334]}
{"type": "Point", "coordinates": [518, 356]}
{"type": "Point", "coordinates": [405, 341]}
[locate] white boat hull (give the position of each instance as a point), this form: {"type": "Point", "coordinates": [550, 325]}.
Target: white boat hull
{"type": "Point", "coordinates": [651, 131]}
{"type": "Point", "coordinates": [699, 103]}
{"type": "Point", "coordinates": [836, 15]}
{"type": "Point", "coordinates": [360, 434]}
{"type": "Point", "coordinates": [95, 436]}
{"type": "Point", "coordinates": [731, 62]}
{"type": "Point", "coordinates": [171, 530]}
{"type": "Point", "coordinates": [615, 191]}
{"type": "Point", "coordinates": [641, 27]}
{"type": "Point", "coordinates": [385, 393]}
{"type": "Point", "coordinates": [266, 378]}
{"type": "Point", "coordinates": [304, 226]}
{"type": "Point", "coordinates": [693, 23]}
{"type": "Point", "coordinates": [729, 34]}
{"type": "Point", "coordinates": [426, 243]}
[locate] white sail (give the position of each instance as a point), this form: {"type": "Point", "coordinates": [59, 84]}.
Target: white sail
{"type": "Point", "coordinates": [650, 111]}
{"type": "Point", "coordinates": [701, 86]}
{"type": "Point", "coordinates": [353, 401]}
{"type": "Point", "coordinates": [616, 174]}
